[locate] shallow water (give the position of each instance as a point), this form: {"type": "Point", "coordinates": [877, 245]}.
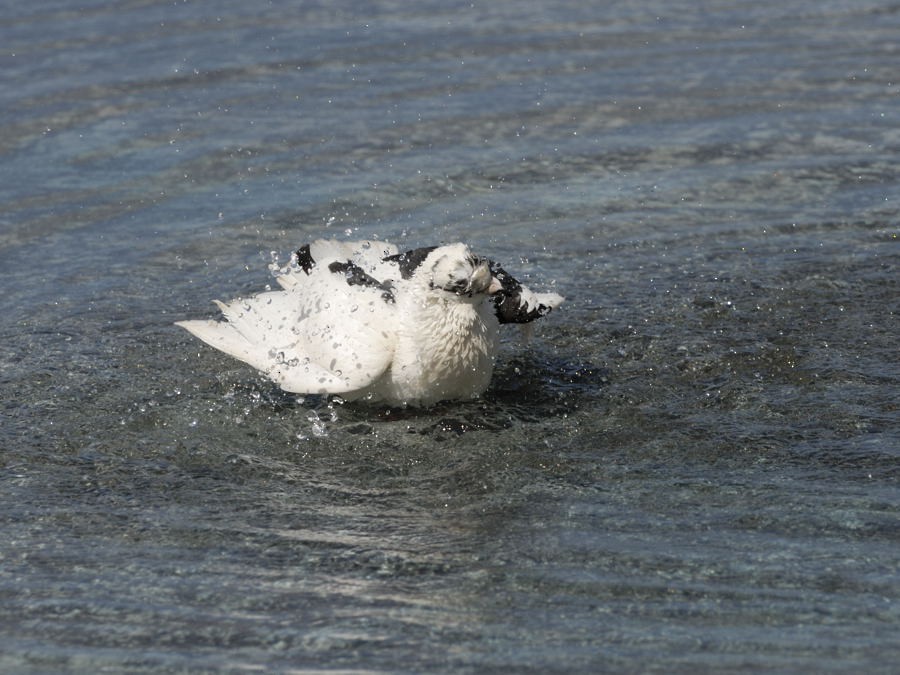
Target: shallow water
{"type": "Point", "coordinates": [692, 466]}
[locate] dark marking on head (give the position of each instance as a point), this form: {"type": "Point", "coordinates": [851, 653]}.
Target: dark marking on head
{"type": "Point", "coordinates": [355, 275]}
{"type": "Point", "coordinates": [508, 302]}
{"type": "Point", "coordinates": [410, 261]}
{"type": "Point", "coordinates": [458, 286]}
{"type": "Point", "coordinates": [305, 259]}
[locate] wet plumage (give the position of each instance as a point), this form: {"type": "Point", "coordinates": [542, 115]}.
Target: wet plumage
{"type": "Point", "coordinates": [363, 320]}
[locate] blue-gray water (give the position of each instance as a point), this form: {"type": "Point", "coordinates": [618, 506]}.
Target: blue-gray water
{"type": "Point", "coordinates": [692, 467]}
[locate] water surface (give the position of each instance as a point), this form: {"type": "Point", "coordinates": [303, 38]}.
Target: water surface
{"type": "Point", "coordinates": [692, 466]}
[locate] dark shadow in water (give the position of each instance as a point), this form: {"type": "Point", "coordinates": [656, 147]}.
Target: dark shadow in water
{"type": "Point", "coordinates": [530, 388]}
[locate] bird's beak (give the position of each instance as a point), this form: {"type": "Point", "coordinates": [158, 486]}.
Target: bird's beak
{"type": "Point", "coordinates": [495, 286]}
{"type": "Point", "coordinates": [482, 281]}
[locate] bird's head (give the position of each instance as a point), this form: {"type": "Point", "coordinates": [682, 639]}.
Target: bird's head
{"type": "Point", "coordinates": [455, 269]}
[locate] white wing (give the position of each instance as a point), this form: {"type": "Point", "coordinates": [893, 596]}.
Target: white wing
{"type": "Point", "coordinates": [328, 332]}
{"type": "Point", "coordinates": [367, 255]}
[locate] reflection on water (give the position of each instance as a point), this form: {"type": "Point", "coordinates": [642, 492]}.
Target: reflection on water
{"type": "Point", "coordinates": [693, 465]}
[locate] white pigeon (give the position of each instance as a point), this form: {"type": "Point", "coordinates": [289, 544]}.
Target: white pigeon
{"type": "Point", "coordinates": [364, 321]}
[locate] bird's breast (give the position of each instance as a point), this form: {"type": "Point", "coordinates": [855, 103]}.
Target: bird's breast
{"type": "Point", "coordinates": [446, 353]}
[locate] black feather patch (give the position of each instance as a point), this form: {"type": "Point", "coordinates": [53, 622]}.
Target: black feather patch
{"type": "Point", "coordinates": [508, 304]}
{"type": "Point", "coordinates": [409, 261]}
{"type": "Point", "coordinates": [355, 275]}
{"type": "Point", "coordinates": [305, 259]}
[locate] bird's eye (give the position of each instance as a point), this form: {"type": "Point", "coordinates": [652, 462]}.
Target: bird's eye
{"type": "Point", "coordinates": [456, 285]}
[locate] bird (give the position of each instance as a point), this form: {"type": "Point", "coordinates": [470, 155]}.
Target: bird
{"type": "Point", "coordinates": [364, 321]}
